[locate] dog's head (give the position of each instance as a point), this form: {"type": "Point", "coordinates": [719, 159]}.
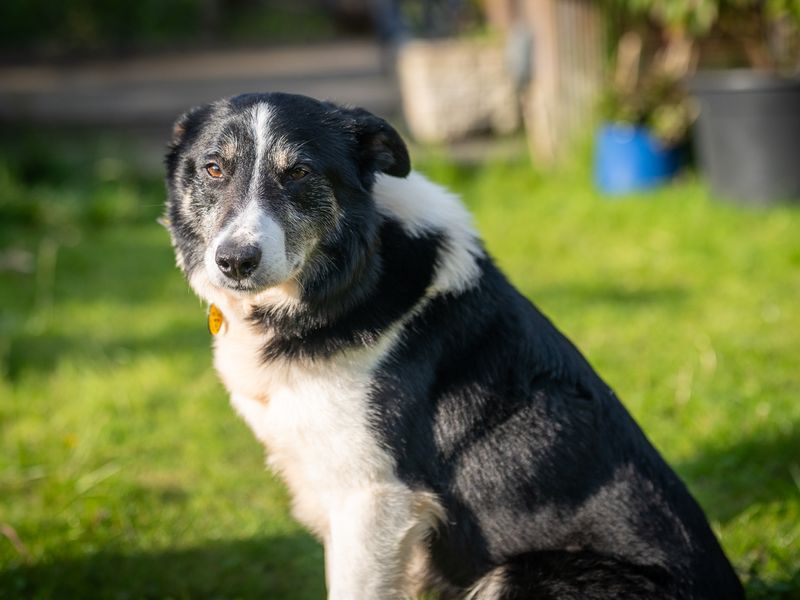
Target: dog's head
{"type": "Point", "coordinates": [258, 183]}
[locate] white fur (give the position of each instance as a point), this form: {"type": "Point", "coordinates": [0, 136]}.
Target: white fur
{"type": "Point", "coordinates": [312, 415]}
{"type": "Point", "coordinates": [259, 121]}
{"type": "Point", "coordinates": [490, 587]}
{"type": "Point", "coordinates": [312, 418]}
{"type": "Point", "coordinates": [254, 226]}
{"type": "Point", "coordinates": [421, 206]}
{"type": "Point", "coordinates": [374, 536]}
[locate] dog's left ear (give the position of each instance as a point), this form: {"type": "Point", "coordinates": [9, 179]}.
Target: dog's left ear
{"type": "Point", "coordinates": [380, 147]}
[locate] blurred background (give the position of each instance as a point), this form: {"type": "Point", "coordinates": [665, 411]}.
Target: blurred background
{"type": "Point", "coordinates": [634, 166]}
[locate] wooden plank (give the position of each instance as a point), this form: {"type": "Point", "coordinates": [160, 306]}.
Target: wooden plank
{"type": "Point", "coordinates": [568, 59]}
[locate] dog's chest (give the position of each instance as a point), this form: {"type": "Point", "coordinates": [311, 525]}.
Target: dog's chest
{"type": "Point", "coordinates": [311, 416]}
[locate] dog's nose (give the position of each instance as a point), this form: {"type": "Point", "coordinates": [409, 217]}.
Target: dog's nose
{"type": "Point", "coordinates": [237, 262]}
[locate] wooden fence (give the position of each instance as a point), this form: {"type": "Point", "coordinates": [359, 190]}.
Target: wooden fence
{"type": "Point", "coordinates": [568, 63]}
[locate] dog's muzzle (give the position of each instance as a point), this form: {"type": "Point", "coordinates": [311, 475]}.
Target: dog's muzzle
{"type": "Point", "coordinates": [237, 262]}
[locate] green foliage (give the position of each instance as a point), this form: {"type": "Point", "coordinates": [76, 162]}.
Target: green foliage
{"type": "Point", "coordinates": [49, 185]}
{"type": "Point", "coordinates": [125, 474]}
{"type": "Point", "coordinates": [784, 9]}
{"type": "Point", "coordinates": [699, 16]}
{"type": "Point", "coordinates": [658, 102]}
{"type": "Point", "coordinates": [90, 25]}
{"type": "Point", "coordinates": [696, 17]}
{"type": "Point", "coordinates": [87, 23]}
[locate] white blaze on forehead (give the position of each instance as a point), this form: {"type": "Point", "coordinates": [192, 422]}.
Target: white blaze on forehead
{"type": "Point", "coordinates": [260, 116]}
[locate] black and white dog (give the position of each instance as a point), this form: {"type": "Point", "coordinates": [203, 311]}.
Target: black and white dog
{"type": "Point", "coordinates": [436, 431]}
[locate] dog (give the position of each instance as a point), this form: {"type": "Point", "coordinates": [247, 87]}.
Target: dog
{"type": "Point", "coordinates": [437, 433]}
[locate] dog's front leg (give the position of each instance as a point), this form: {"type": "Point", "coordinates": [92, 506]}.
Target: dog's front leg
{"type": "Point", "coordinates": [372, 533]}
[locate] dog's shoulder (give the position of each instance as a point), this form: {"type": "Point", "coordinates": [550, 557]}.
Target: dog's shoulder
{"type": "Point", "coordinates": [422, 207]}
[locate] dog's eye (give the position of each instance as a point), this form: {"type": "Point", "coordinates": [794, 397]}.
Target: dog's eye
{"type": "Point", "coordinates": [298, 172]}
{"type": "Point", "coordinates": [214, 170]}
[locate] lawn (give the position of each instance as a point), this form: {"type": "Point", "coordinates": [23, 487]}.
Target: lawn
{"type": "Point", "coordinates": [125, 474]}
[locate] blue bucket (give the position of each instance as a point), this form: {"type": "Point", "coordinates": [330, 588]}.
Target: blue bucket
{"type": "Point", "coordinates": [629, 159]}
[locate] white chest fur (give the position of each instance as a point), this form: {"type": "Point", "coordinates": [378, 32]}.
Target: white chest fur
{"type": "Point", "coordinates": [312, 418]}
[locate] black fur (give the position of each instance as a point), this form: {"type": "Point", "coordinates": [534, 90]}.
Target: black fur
{"type": "Point", "coordinates": [541, 471]}
{"type": "Point", "coordinates": [394, 290]}
{"type": "Point", "coordinates": [489, 406]}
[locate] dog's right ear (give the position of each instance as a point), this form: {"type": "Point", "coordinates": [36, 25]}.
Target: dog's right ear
{"type": "Point", "coordinates": [184, 130]}
{"type": "Point", "coordinates": [188, 122]}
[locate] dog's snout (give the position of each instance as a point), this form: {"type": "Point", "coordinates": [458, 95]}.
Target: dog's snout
{"type": "Point", "coordinates": [237, 262]}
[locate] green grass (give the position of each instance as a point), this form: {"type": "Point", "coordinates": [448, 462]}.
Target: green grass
{"type": "Point", "coordinates": [125, 474]}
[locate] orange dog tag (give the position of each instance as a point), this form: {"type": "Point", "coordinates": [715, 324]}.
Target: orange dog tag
{"type": "Point", "coordinates": [215, 319]}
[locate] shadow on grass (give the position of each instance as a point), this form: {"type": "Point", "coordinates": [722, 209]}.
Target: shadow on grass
{"type": "Point", "coordinates": [123, 264]}
{"type": "Point", "coordinates": [732, 480]}
{"type": "Point", "coordinates": [785, 589]}
{"type": "Point", "coordinates": [125, 273]}
{"type": "Point", "coordinates": [756, 470]}
{"type": "Point", "coordinates": [42, 352]}
{"type": "Point", "coordinates": [275, 568]}
{"type": "Point", "coordinates": [272, 568]}
{"type": "Point", "coordinates": [589, 295]}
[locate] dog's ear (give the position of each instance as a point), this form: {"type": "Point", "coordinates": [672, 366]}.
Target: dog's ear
{"type": "Point", "coordinates": [184, 130]}
{"type": "Point", "coordinates": [187, 123]}
{"type": "Point", "coordinates": [380, 147]}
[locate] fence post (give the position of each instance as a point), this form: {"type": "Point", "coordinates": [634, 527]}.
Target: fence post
{"type": "Point", "coordinates": [568, 73]}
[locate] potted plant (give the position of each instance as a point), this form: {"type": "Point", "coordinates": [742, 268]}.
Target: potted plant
{"type": "Point", "coordinates": [748, 126]}
{"type": "Point", "coordinates": [645, 122]}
